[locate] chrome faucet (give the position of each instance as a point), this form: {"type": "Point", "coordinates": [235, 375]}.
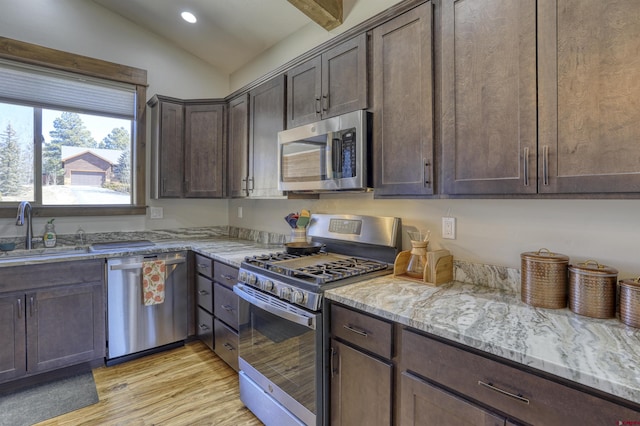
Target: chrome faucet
{"type": "Point", "coordinates": [24, 211]}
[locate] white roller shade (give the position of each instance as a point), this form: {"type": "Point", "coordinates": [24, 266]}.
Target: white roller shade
{"type": "Point", "coordinates": [67, 91]}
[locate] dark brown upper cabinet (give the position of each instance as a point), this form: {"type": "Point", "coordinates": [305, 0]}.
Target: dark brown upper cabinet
{"type": "Point", "coordinates": [329, 84]}
{"type": "Point", "coordinates": [238, 146]}
{"type": "Point", "coordinates": [188, 148]}
{"type": "Point", "coordinates": [266, 119]}
{"type": "Point", "coordinates": [488, 99]}
{"type": "Point", "coordinates": [589, 96]}
{"type": "Point", "coordinates": [403, 104]}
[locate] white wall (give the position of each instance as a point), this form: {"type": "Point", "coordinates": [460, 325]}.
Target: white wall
{"type": "Point", "coordinates": [306, 38]}
{"type": "Point", "coordinates": [85, 28]}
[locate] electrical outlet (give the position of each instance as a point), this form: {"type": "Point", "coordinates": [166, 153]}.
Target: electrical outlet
{"type": "Point", "coordinates": [239, 212]}
{"type": "Point", "coordinates": [449, 228]}
{"type": "Point", "coordinates": [156, 212]}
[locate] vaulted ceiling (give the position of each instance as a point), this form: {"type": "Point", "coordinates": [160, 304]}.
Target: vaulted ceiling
{"type": "Point", "coordinates": [228, 33]}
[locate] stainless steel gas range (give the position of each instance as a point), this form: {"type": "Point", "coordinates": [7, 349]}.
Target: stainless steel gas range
{"type": "Point", "coordinates": [283, 351]}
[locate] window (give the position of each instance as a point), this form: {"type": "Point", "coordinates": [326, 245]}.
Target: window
{"type": "Point", "coordinates": [71, 143]}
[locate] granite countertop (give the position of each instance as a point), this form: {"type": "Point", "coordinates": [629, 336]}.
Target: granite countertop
{"type": "Point", "coordinates": [601, 354]}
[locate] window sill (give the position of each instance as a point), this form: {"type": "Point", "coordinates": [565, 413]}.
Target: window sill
{"type": "Point", "coordinates": [68, 211]}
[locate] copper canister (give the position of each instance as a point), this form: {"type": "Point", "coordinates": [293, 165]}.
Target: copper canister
{"type": "Point", "coordinates": [592, 289]}
{"type": "Point", "coordinates": [543, 279]}
{"type": "Point", "coordinates": [630, 302]}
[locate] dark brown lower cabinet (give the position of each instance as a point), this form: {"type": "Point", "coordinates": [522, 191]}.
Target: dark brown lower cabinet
{"type": "Point", "coordinates": [361, 387]}
{"type": "Point", "coordinates": [58, 321]}
{"type": "Point", "coordinates": [424, 404]}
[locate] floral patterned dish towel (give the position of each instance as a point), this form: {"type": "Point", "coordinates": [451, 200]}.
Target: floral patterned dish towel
{"type": "Point", "coordinates": [153, 273]}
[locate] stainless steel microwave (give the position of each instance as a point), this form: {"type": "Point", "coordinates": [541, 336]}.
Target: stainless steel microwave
{"type": "Point", "coordinates": [328, 155]}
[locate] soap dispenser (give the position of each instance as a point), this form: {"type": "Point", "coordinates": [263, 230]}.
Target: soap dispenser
{"type": "Point", "coordinates": [49, 238]}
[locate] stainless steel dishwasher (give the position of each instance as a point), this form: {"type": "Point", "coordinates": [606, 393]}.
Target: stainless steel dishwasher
{"type": "Point", "coordinates": [134, 329]}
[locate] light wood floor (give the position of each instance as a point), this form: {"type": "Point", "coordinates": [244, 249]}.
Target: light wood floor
{"type": "Point", "coordinates": [184, 386]}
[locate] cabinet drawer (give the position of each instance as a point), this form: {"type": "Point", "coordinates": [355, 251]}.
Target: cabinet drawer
{"type": "Point", "coordinates": [204, 265]}
{"type": "Point", "coordinates": [204, 328]}
{"type": "Point", "coordinates": [204, 293]}
{"type": "Point", "coordinates": [226, 305]}
{"type": "Point", "coordinates": [369, 333]}
{"type": "Point", "coordinates": [225, 274]}
{"type": "Point", "coordinates": [226, 344]}
{"type": "Point", "coordinates": [523, 395]}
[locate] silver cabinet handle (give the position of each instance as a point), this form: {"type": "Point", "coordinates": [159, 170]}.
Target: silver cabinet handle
{"type": "Point", "coordinates": [243, 185]}
{"type": "Point", "coordinates": [229, 347]}
{"type": "Point", "coordinates": [545, 165]}
{"type": "Point", "coordinates": [525, 166]}
{"type": "Point", "coordinates": [20, 308]}
{"type": "Point", "coordinates": [203, 327]}
{"type": "Point", "coordinates": [503, 392]}
{"type": "Point", "coordinates": [355, 330]}
{"type": "Point", "coordinates": [325, 103]}
{"type": "Point", "coordinates": [228, 308]}
{"type": "Point", "coordinates": [203, 292]}
{"type": "Point", "coordinates": [31, 306]}
{"type": "Point", "coordinates": [227, 277]}
{"type": "Point", "coordinates": [317, 104]}
{"type": "Point", "coordinates": [333, 355]}
{"type": "Point", "coordinates": [250, 189]}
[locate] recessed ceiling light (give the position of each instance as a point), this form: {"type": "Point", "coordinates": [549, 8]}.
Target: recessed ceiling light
{"type": "Point", "coordinates": [189, 17]}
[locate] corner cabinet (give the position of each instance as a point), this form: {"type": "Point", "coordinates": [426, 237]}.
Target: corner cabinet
{"type": "Point", "coordinates": [488, 83]}
{"type": "Point", "coordinates": [330, 84]}
{"type": "Point", "coordinates": [188, 148]}
{"type": "Point", "coordinates": [266, 119]}
{"type": "Point", "coordinates": [403, 104]}
{"type": "Point", "coordinates": [58, 320]}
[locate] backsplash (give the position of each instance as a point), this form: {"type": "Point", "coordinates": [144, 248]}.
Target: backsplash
{"type": "Point", "coordinates": [498, 277]}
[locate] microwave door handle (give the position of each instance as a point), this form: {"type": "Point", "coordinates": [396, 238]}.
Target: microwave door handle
{"type": "Point", "coordinates": [337, 157]}
{"type": "Point", "coordinates": [328, 159]}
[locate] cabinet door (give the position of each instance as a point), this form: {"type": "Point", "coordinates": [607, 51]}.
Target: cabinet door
{"type": "Point", "coordinates": [65, 326]}
{"type": "Point", "coordinates": [360, 388]}
{"type": "Point", "coordinates": [402, 104]}
{"type": "Point", "coordinates": [267, 117]}
{"type": "Point", "coordinates": [204, 150]}
{"type": "Point", "coordinates": [238, 146]}
{"type": "Point", "coordinates": [304, 93]}
{"type": "Point", "coordinates": [13, 356]}
{"type": "Point", "coordinates": [170, 173]}
{"type": "Point", "coordinates": [344, 77]}
{"type": "Point", "coordinates": [589, 87]}
{"type": "Point", "coordinates": [424, 404]}
{"type": "Point", "coordinates": [488, 79]}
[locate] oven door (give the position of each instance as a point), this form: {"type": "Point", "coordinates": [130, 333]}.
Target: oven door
{"type": "Point", "coordinates": [280, 352]}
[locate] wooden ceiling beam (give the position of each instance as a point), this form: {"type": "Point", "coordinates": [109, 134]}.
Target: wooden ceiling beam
{"type": "Point", "coordinates": [326, 13]}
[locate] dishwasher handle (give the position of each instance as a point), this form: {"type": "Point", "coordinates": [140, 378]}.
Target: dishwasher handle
{"type": "Point", "coordinates": [138, 265]}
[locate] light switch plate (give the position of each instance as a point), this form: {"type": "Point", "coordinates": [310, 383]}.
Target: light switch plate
{"type": "Point", "coordinates": [449, 228]}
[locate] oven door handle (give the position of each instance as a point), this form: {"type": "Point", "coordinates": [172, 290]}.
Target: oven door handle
{"type": "Point", "coordinates": [282, 313]}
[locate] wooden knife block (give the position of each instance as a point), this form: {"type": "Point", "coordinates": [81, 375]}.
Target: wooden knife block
{"type": "Point", "coordinates": [438, 270]}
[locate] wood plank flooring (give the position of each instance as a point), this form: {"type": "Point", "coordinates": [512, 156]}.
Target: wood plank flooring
{"type": "Point", "coordinates": [185, 386]}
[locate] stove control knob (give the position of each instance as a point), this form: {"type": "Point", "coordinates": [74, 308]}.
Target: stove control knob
{"type": "Point", "coordinates": [285, 293]}
{"type": "Point", "coordinates": [297, 296]}
{"type": "Point", "coordinates": [252, 279]}
{"type": "Point", "coordinates": [267, 285]}
{"type": "Point", "coordinates": [242, 277]}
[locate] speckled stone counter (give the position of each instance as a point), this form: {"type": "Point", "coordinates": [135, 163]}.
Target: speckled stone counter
{"type": "Point", "coordinates": [602, 354]}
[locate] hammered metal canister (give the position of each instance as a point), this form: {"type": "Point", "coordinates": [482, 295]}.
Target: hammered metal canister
{"type": "Point", "coordinates": [543, 279]}
{"type": "Point", "coordinates": [630, 302]}
{"type": "Point", "coordinates": [592, 289]}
